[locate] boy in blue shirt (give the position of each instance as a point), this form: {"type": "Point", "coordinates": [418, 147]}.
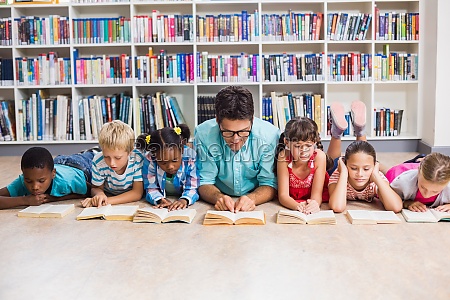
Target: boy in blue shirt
{"type": "Point", "coordinates": [43, 181]}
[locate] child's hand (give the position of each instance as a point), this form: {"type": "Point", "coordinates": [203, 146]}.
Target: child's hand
{"type": "Point", "coordinates": [311, 206]}
{"type": "Point", "coordinates": [86, 202]}
{"type": "Point", "coordinates": [301, 207]}
{"type": "Point", "coordinates": [35, 200]}
{"type": "Point", "coordinates": [99, 200]}
{"type": "Point", "coordinates": [445, 207]}
{"type": "Point", "coordinates": [164, 203]}
{"type": "Point", "coordinates": [375, 172]}
{"type": "Point", "coordinates": [417, 206]}
{"type": "Point", "coordinates": [245, 203]}
{"type": "Point", "coordinates": [342, 168]}
{"type": "Point", "coordinates": [179, 204]}
{"type": "Point", "coordinates": [225, 203]}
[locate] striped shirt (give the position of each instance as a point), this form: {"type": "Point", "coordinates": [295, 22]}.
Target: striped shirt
{"type": "Point", "coordinates": [112, 182]}
{"type": "Point", "coordinates": [367, 194]}
{"type": "Point", "coordinates": [185, 181]}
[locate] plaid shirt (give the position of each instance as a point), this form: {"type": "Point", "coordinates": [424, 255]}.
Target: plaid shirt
{"type": "Point", "coordinates": [186, 179]}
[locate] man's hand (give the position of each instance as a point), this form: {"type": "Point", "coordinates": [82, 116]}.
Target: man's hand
{"type": "Point", "coordinates": [225, 203]}
{"type": "Point", "coordinates": [245, 203]}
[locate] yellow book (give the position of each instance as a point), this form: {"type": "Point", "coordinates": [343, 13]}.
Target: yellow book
{"type": "Point", "coordinates": [109, 212]}
{"type": "Point", "coordinates": [358, 217]}
{"type": "Point", "coordinates": [214, 217]}
{"type": "Point", "coordinates": [47, 211]}
{"type": "Point", "coordinates": [163, 215]}
{"type": "Point", "coordinates": [318, 111]}
{"type": "Point", "coordinates": [286, 216]}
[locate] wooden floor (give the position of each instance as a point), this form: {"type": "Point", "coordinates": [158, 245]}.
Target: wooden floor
{"type": "Point", "coordinates": [96, 259]}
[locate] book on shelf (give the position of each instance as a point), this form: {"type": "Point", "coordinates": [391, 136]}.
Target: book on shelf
{"type": "Point", "coordinates": [47, 211]}
{"type": "Point", "coordinates": [388, 122]}
{"type": "Point", "coordinates": [163, 215]}
{"type": "Point", "coordinates": [428, 216]}
{"type": "Point", "coordinates": [357, 217]}
{"type": "Point", "coordinates": [109, 212]}
{"type": "Point", "coordinates": [285, 216]}
{"type": "Point", "coordinates": [215, 217]}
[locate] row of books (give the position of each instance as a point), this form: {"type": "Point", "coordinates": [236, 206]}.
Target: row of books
{"type": "Point", "coordinates": [291, 26]}
{"type": "Point", "coordinates": [387, 121]}
{"type": "Point", "coordinates": [6, 72]}
{"type": "Point", "coordinates": [348, 26]}
{"type": "Point", "coordinates": [163, 28]}
{"type": "Point", "coordinates": [396, 26]}
{"type": "Point", "coordinates": [164, 68]}
{"type": "Point", "coordinates": [41, 117]}
{"type": "Point", "coordinates": [293, 67]}
{"type": "Point", "coordinates": [396, 66]}
{"type": "Point", "coordinates": [206, 108]}
{"type": "Point", "coordinates": [227, 68]}
{"type": "Point", "coordinates": [349, 67]}
{"type": "Point", "coordinates": [95, 110]}
{"type": "Point", "coordinates": [158, 111]}
{"type": "Point", "coordinates": [7, 120]}
{"type": "Point", "coordinates": [46, 69]}
{"type": "Point", "coordinates": [101, 30]}
{"type": "Point", "coordinates": [103, 69]}
{"type": "Point", "coordinates": [51, 30]}
{"type": "Point", "coordinates": [5, 31]}
{"type": "Point", "coordinates": [279, 109]}
{"type": "Point", "coordinates": [228, 28]}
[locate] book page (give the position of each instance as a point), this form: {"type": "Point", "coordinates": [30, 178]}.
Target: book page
{"type": "Point", "coordinates": [93, 212]}
{"type": "Point", "coordinates": [223, 213]}
{"type": "Point", "coordinates": [385, 216]}
{"type": "Point", "coordinates": [360, 214]}
{"type": "Point", "coordinates": [440, 214]}
{"type": "Point", "coordinates": [323, 214]}
{"type": "Point", "coordinates": [34, 209]}
{"type": "Point", "coordinates": [159, 212]}
{"type": "Point", "coordinates": [181, 215]}
{"type": "Point", "coordinates": [122, 210]}
{"type": "Point", "coordinates": [294, 213]}
{"type": "Point", "coordinates": [256, 214]}
{"type": "Point", "coordinates": [413, 216]}
{"type": "Point", "coordinates": [59, 209]}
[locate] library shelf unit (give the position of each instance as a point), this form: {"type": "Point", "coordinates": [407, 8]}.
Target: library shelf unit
{"type": "Point", "coordinates": [376, 94]}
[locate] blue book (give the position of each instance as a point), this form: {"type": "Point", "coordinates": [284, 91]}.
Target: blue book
{"type": "Point", "coordinates": [114, 108]}
{"type": "Point", "coordinates": [176, 110]}
{"type": "Point", "coordinates": [270, 109]}
{"type": "Point", "coordinates": [347, 130]}
{"type": "Point", "coordinates": [244, 25]}
{"type": "Point", "coordinates": [183, 67]}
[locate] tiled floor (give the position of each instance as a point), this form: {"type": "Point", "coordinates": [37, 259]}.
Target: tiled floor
{"type": "Point", "coordinates": [95, 259]}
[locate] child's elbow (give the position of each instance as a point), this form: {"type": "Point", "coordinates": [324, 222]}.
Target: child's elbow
{"type": "Point", "coordinates": [337, 208]}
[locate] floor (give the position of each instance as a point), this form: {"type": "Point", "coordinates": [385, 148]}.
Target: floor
{"type": "Point", "coordinates": [96, 259]}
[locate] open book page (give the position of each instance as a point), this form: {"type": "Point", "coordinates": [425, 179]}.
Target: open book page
{"type": "Point", "coordinates": [93, 212]}
{"type": "Point", "coordinates": [226, 217]}
{"type": "Point", "coordinates": [372, 217]}
{"type": "Point", "coordinates": [420, 217]}
{"type": "Point", "coordinates": [158, 215]}
{"type": "Point", "coordinates": [121, 212]}
{"type": "Point", "coordinates": [58, 211]}
{"type": "Point", "coordinates": [385, 217]}
{"type": "Point", "coordinates": [250, 217]}
{"type": "Point", "coordinates": [33, 211]}
{"type": "Point", "coordinates": [321, 217]}
{"type": "Point", "coordinates": [221, 215]}
{"type": "Point", "coordinates": [185, 215]}
{"type": "Point", "coordinates": [441, 215]}
{"type": "Point", "coordinates": [286, 216]}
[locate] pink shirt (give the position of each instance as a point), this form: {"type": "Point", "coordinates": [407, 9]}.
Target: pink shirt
{"type": "Point", "coordinates": [369, 192]}
{"type": "Point", "coordinates": [393, 172]}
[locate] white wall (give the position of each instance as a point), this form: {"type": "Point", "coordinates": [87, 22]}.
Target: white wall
{"type": "Point", "coordinates": [442, 112]}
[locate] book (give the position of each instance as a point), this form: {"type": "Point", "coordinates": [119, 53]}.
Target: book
{"type": "Point", "coordinates": [47, 211]}
{"type": "Point", "coordinates": [372, 217]}
{"type": "Point", "coordinates": [163, 215]}
{"type": "Point", "coordinates": [214, 217]}
{"type": "Point", "coordinates": [285, 216]}
{"type": "Point", "coordinates": [429, 216]}
{"type": "Point", "coordinates": [109, 212]}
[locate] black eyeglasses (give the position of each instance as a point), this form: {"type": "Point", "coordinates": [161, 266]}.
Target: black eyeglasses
{"type": "Point", "coordinates": [240, 133]}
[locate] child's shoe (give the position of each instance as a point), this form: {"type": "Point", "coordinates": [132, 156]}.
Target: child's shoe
{"type": "Point", "coordinates": [338, 121]}
{"type": "Point", "coordinates": [358, 116]}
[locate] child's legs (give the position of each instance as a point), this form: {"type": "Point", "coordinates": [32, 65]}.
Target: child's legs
{"type": "Point", "coordinates": [82, 161]}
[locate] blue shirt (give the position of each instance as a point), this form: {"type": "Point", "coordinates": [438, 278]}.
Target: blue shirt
{"type": "Point", "coordinates": [185, 181]}
{"type": "Point", "coordinates": [68, 180]}
{"type": "Point", "coordinates": [236, 173]}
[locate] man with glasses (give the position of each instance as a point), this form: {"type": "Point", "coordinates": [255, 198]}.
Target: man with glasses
{"type": "Point", "coordinates": [235, 154]}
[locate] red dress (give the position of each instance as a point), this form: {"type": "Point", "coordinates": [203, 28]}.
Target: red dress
{"type": "Point", "coordinates": [300, 189]}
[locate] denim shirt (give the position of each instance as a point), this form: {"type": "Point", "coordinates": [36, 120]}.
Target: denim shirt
{"type": "Point", "coordinates": [185, 180]}
{"type": "Point", "coordinates": [236, 173]}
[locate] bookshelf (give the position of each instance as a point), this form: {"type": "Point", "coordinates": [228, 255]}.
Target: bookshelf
{"type": "Point", "coordinates": [376, 94]}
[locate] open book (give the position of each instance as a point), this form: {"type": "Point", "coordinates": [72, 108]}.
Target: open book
{"type": "Point", "coordinates": [163, 215]}
{"type": "Point", "coordinates": [429, 216]}
{"type": "Point", "coordinates": [47, 211]}
{"type": "Point", "coordinates": [286, 216]}
{"type": "Point", "coordinates": [372, 217]}
{"type": "Point", "coordinates": [216, 217]}
{"type": "Point", "coordinates": [109, 212]}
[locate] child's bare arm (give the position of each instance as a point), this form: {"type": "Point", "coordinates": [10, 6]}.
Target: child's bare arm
{"type": "Point", "coordinates": [319, 177]}
{"type": "Point", "coordinates": [338, 191]}
{"type": "Point", "coordinates": [283, 184]}
{"type": "Point", "coordinates": [6, 201]}
{"type": "Point", "coordinates": [390, 199]}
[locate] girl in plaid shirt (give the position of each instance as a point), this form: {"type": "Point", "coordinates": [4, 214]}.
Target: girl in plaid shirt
{"type": "Point", "coordinates": [169, 167]}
